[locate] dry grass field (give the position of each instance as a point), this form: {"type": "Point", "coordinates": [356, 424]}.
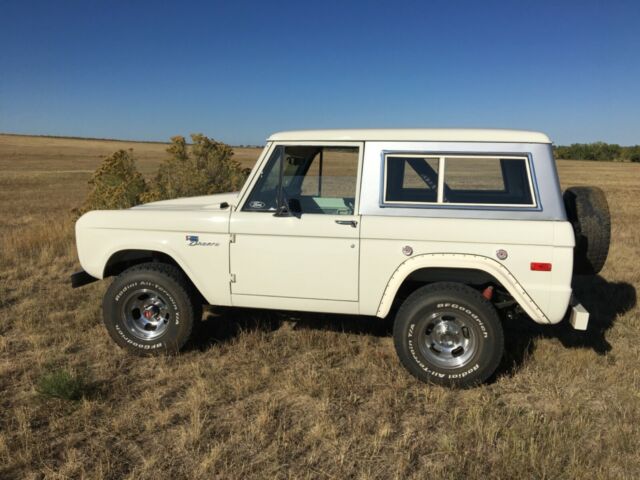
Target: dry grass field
{"type": "Point", "coordinates": [295, 396]}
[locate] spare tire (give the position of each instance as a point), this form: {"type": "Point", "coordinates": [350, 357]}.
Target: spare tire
{"type": "Point", "coordinates": [588, 212]}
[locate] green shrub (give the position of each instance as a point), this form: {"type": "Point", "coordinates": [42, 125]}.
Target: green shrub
{"type": "Point", "coordinates": [60, 383]}
{"type": "Point", "coordinates": [116, 184]}
{"type": "Point", "coordinates": [632, 154]}
{"type": "Point", "coordinates": [203, 168]}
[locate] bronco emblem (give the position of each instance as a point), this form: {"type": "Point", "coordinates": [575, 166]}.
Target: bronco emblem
{"type": "Point", "coordinates": [194, 241]}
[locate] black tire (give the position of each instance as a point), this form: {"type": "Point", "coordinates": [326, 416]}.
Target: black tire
{"type": "Point", "coordinates": [588, 212]}
{"type": "Point", "coordinates": [165, 294]}
{"type": "Point", "coordinates": [443, 307]}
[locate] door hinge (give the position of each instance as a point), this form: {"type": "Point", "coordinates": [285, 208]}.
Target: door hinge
{"type": "Point", "coordinates": [233, 278]}
{"type": "Point", "coordinates": [232, 238]}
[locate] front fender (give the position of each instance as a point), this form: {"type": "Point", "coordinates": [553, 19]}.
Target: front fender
{"type": "Point", "coordinates": [457, 260]}
{"type": "Point", "coordinates": [205, 262]}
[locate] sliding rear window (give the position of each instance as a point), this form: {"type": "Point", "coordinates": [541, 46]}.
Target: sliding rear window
{"type": "Point", "coordinates": [476, 180]}
{"type": "Point", "coordinates": [412, 179]}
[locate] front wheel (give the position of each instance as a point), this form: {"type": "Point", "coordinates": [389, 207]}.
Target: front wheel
{"type": "Point", "coordinates": [448, 334]}
{"type": "Point", "coordinates": [149, 309]}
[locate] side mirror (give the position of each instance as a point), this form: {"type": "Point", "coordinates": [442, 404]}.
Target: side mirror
{"type": "Point", "coordinates": [290, 208]}
{"type": "Point", "coordinates": [282, 211]}
{"type": "Point", "coordinates": [295, 208]}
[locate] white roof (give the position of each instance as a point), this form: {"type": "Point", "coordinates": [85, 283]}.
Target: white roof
{"type": "Point", "coordinates": [415, 134]}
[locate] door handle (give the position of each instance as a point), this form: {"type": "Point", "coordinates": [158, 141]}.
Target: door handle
{"type": "Point", "coordinates": [353, 223]}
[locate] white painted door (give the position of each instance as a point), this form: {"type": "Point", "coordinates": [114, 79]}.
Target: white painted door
{"type": "Point", "coordinates": [297, 235]}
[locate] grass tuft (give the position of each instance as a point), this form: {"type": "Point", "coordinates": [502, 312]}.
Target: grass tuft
{"type": "Point", "coordinates": [62, 384]}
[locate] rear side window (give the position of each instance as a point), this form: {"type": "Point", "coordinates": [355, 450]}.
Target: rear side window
{"type": "Point", "coordinates": [477, 180]}
{"type": "Point", "coordinates": [412, 179]}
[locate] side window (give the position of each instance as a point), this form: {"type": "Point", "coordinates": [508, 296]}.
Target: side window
{"type": "Point", "coordinates": [315, 179]}
{"type": "Point", "coordinates": [486, 180]}
{"type": "Point", "coordinates": [411, 179]}
{"type": "Point", "coordinates": [467, 180]}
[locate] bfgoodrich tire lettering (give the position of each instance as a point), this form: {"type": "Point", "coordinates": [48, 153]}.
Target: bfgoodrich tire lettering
{"type": "Point", "coordinates": [447, 333]}
{"type": "Point", "coordinates": [149, 309]}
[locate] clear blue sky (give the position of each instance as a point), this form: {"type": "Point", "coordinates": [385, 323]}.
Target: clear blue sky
{"type": "Point", "coordinates": [240, 70]}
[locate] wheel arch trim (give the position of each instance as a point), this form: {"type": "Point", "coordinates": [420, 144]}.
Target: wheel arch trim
{"type": "Point", "coordinates": [158, 248]}
{"type": "Point", "coordinates": [459, 261]}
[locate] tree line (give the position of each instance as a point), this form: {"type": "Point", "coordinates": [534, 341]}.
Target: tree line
{"type": "Point", "coordinates": [600, 151]}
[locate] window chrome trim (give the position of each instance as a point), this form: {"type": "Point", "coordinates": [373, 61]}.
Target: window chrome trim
{"type": "Point", "coordinates": [440, 203]}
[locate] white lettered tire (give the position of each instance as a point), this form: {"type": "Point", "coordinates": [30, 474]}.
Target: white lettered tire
{"type": "Point", "coordinates": [149, 309]}
{"type": "Point", "coordinates": [448, 334]}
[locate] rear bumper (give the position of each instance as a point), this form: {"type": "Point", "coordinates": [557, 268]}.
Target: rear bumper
{"type": "Point", "coordinates": [81, 278]}
{"type": "Point", "coordinates": [579, 317]}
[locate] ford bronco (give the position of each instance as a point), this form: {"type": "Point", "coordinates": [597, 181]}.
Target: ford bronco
{"type": "Point", "coordinates": [450, 231]}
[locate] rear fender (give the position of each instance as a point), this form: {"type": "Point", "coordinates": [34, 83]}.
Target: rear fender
{"type": "Point", "coordinates": [455, 260]}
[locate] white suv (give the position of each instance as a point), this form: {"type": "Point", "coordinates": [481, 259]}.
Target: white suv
{"type": "Point", "coordinates": [453, 231]}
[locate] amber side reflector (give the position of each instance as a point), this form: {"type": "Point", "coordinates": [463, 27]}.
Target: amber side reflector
{"type": "Point", "coordinates": [540, 267]}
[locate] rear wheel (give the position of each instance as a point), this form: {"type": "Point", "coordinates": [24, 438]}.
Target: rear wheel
{"type": "Point", "coordinates": [150, 309]}
{"type": "Point", "coordinates": [447, 333]}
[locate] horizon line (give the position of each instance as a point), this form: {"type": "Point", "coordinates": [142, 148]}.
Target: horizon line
{"type": "Point", "coordinates": [243, 145]}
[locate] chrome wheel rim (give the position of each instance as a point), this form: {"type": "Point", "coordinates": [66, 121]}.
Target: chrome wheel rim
{"type": "Point", "coordinates": [448, 339]}
{"type": "Point", "coordinates": [145, 314]}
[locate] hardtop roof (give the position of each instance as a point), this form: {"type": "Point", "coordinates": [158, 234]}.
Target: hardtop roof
{"type": "Point", "coordinates": [414, 134]}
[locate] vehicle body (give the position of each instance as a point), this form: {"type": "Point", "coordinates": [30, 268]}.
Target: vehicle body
{"type": "Point", "coordinates": [352, 221]}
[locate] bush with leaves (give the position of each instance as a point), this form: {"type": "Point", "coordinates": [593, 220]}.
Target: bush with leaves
{"type": "Point", "coordinates": [202, 168]}
{"type": "Point", "coordinates": [632, 154]}
{"type": "Point", "coordinates": [116, 184]}
{"type": "Point", "coordinates": [205, 167]}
